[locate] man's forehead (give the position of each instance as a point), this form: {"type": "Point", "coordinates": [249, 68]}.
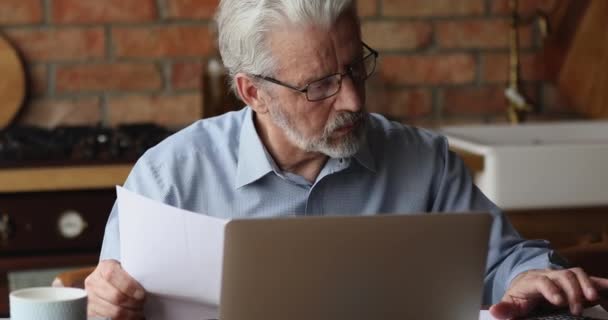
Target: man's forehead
{"type": "Point", "coordinates": [315, 48]}
{"type": "Point", "coordinates": [344, 32]}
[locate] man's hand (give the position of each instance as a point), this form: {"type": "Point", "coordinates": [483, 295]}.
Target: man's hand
{"type": "Point", "coordinates": [561, 288]}
{"type": "Point", "coordinates": [113, 293]}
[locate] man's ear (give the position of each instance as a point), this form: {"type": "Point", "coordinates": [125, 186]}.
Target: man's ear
{"type": "Point", "coordinates": [250, 93]}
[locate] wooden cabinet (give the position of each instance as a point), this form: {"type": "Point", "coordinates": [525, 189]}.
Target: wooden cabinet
{"type": "Point", "coordinates": [576, 54]}
{"type": "Point", "coordinates": [53, 217]}
{"type": "Point", "coordinates": [579, 234]}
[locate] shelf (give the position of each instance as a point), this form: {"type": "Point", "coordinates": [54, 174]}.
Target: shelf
{"type": "Point", "coordinates": [35, 179]}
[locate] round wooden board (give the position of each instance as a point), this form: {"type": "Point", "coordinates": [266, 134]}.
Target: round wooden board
{"type": "Point", "coordinates": [12, 83]}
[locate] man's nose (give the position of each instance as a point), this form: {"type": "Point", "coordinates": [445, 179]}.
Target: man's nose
{"type": "Point", "coordinates": [351, 96]}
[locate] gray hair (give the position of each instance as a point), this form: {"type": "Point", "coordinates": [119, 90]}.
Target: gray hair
{"type": "Point", "coordinates": [243, 26]}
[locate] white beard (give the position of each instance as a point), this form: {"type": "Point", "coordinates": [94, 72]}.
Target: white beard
{"type": "Point", "coordinates": [348, 145]}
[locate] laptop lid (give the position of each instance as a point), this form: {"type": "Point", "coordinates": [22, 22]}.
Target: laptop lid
{"type": "Point", "coordinates": [428, 266]}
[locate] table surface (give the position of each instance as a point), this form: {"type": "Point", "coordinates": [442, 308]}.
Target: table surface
{"type": "Point", "coordinates": [597, 312]}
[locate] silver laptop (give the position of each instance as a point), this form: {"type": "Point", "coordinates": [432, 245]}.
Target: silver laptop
{"type": "Point", "coordinates": [385, 267]}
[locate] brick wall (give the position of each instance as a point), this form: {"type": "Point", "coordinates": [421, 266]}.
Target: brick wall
{"type": "Point", "coordinates": [125, 61]}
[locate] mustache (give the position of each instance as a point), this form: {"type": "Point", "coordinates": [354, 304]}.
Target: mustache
{"type": "Point", "coordinates": [344, 119]}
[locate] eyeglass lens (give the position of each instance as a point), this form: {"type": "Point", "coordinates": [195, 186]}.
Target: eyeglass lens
{"type": "Point", "coordinates": [327, 87]}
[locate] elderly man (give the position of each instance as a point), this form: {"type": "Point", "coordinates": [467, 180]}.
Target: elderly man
{"type": "Point", "coordinates": [306, 146]}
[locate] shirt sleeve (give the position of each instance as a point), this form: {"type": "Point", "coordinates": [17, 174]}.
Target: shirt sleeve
{"type": "Point", "coordinates": [145, 179]}
{"type": "Point", "coordinates": [509, 254]}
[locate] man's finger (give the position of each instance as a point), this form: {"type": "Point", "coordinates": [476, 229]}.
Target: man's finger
{"type": "Point", "coordinates": [109, 293]}
{"type": "Point", "coordinates": [569, 284]}
{"type": "Point", "coordinates": [586, 285]}
{"type": "Point", "coordinates": [502, 310]}
{"type": "Point", "coordinates": [100, 307]}
{"type": "Point", "coordinates": [122, 281]}
{"type": "Point", "coordinates": [601, 284]}
{"type": "Point", "coordinates": [512, 307]}
{"type": "Point", "coordinates": [550, 291]}
{"type": "Point", "coordinates": [528, 296]}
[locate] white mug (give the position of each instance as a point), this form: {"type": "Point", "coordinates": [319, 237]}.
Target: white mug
{"type": "Point", "coordinates": [48, 303]}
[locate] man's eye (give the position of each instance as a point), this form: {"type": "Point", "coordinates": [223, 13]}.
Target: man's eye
{"type": "Point", "coordinates": [321, 84]}
{"type": "Point", "coordinates": [358, 69]}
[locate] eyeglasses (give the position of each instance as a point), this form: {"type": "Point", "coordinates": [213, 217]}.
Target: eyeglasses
{"type": "Point", "coordinates": [329, 86]}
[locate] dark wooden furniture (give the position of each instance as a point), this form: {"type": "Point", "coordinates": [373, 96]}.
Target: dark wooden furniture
{"type": "Point", "coordinates": [53, 217]}
{"type": "Point", "coordinates": [576, 54]}
{"type": "Point", "coordinates": [580, 234]}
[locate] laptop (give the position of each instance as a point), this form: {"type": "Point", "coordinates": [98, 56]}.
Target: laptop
{"type": "Point", "coordinates": [428, 266]}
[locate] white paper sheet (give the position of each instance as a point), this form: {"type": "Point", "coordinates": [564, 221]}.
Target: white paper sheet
{"type": "Point", "coordinates": [596, 312]}
{"type": "Point", "coordinates": [175, 254]}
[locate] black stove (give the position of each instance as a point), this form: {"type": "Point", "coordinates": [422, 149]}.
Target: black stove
{"type": "Point", "coordinates": [32, 146]}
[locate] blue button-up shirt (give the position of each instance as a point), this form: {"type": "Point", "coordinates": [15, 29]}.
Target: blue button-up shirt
{"type": "Point", "coordinates": [220, 167]}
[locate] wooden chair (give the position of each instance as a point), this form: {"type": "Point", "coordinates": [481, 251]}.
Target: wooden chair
{"type": "Point", "coordinates": [73, 278]}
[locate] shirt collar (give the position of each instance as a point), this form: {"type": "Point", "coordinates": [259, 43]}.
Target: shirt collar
{"type": "Point", "coordinates": [252, 160]}
{"type": "Point", "coordinates": [364, 155]}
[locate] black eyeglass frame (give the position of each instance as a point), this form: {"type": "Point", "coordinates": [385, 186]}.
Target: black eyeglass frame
{"type": "Point", "coordinates": [349, 72]}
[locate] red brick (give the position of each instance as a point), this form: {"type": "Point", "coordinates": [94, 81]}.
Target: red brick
{"type": "Point", "coordinates": [432, 8]}
{"type": "Point", "coordinates": [60, 44]}
{"type": "Point", "coordinates": [387, 35]}
{"type": "Point", "coordinates": [187, 75]}
{"type": "Point", "coordinates": [400, 104]}
{"type": "Point", "coordinates": [367, 8]}
{"type": "Point", "coordinates": [171, 111]}
{"type": "Point", "coordinates": [37, 79]}
{"type": "Point", "coordinates": [495, 67]}
{"type": "Point", "coordinates": [484, 100]}
{"type": "Point", "coordinates": [526, 7]}
{"type": "Point", "coordinates": [103, 11]}
{"type": "Point", "coordinates": [101, 77]}
{"type": "Point", "coordinates": [20, 11]}
{"type": "Point", "coordinates": [481, 100]}
{"type": "Point", "coordinates": [181, 9]}
{"type": "Point", "coordinates": [162, 41]}
{"type": "Point", "coordinates": [407, 104]}
{"type": "Point", "coordinates": [428, 70]}
{"type": "Point", "coordinates": [492, 33]}
{"type": "Point", "coordinates": [51, 113]}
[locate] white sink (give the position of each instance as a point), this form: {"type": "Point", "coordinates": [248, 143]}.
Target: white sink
{"type": "Point", "coordinates": [546, 165]}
